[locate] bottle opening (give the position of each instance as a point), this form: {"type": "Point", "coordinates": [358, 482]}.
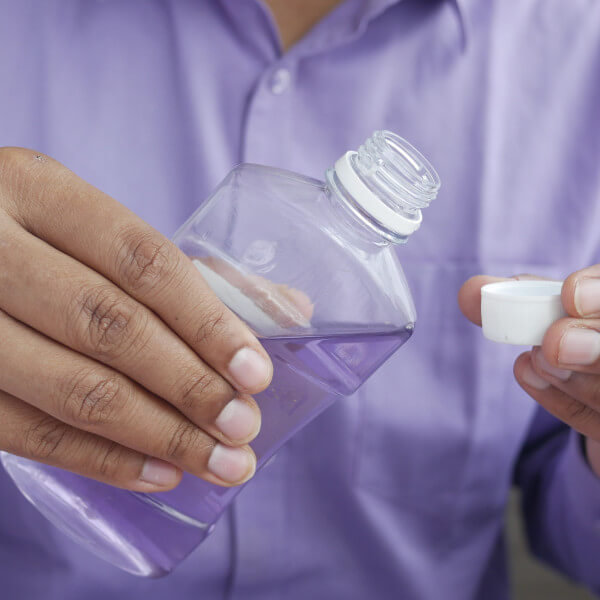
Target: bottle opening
{"type": "Point", "coordinates": [389, 180]}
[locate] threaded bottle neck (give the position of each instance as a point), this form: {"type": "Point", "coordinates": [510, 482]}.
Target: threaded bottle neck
{"type": "Point", "coordinates": [398, 171]}
{"type": "Point", "coordinates": [388, 182]}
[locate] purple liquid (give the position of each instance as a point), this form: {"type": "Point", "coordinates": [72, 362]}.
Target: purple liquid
{"type": "Point", "coordinates": [149, 534]}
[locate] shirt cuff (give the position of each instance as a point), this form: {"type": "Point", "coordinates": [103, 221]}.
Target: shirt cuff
{"type": "Point", "coordinates": [582, 485]}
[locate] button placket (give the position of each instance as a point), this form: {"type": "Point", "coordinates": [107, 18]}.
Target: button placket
{"type": "Point", "coordinates": [280, 81]}
{"type": "Point", "coordinates": [269, 104]}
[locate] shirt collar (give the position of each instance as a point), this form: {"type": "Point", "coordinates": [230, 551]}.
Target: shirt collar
{"type": "Point", "coordinates": [373, 8]}
{"type": "Point", "coordinates": [349, 20]}
{"type": "Point", "coordinates": [464, 13]}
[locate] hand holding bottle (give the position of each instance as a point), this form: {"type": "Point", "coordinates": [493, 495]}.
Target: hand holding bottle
{"type": "Point", "coordinates": [308, 265]}
{"type": "Point", "coordinates": [117, 360]}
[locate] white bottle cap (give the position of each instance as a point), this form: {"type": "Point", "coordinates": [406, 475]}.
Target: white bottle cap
{"type": "Point", "coordinates": [520, 311]}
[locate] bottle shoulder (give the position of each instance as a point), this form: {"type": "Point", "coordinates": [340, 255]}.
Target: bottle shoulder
{"type": "Point", "coordinates": [253, 173]}
{"type": "Point", "coordinates": [269, 235]}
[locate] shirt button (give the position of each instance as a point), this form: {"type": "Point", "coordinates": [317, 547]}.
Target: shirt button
{"type": "Point", "coordinates": [280, 81]}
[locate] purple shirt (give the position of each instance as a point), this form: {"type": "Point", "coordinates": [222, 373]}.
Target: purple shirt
{"type": "Point", "coordinates": [399, 491]}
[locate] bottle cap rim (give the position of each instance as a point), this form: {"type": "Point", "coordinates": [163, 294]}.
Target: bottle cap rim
{"type": "Point", "coordinates": [520, 311]}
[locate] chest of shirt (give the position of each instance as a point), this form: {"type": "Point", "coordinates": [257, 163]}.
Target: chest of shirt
{"type": "Point", "coordinates": [154, 108]}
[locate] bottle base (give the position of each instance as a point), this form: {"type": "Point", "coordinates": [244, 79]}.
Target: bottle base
{"type": "Point", "coordinates": [99, 517]}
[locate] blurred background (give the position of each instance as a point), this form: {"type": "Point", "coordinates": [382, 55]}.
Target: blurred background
{"type": "Point", "coordinates": [531, 579]}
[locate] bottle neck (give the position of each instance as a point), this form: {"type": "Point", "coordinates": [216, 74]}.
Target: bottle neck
{"type": "Point", "coordinates": [384, 186]}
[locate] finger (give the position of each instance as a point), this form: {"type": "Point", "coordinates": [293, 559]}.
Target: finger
{"type": "Point", "coordinates": [469, 296]}
{"type": "Point", "coordinates": [583, 387]}
{"type": "Point", "coordinates": [71, 215]}
{"type": "Point", "coordinates": [76, 306]}
{"type": "Point", "coordinates": [29, 432]}
{"type": "Point", "coordinates": [581, 293]}
{"type": "Point", "coordinates": [573, 344]}
{"type": "Point", "coordinates": [578, 415]}
{"type": "Point", "coordinates": [299, 299]}
{"type": "Point", "coordinates": [289, 308]}
{"type": "Point", "coordinates": [94, 398]}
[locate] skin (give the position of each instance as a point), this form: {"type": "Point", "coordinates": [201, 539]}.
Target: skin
{"type": "Point", "coordinates": [573, 393]}
{"type": "Point", "coordinates": [294, 18]}
{"type": "Point", "coordinates": [115, 353]}
{"type": "Point", "coordinates": [117, 360]}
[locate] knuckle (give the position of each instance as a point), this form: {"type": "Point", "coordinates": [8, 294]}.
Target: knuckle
{"type": "Point", "coordinates": [8, 164]}
{"type": "Point", "coordinates": [593, 391]}
{"type": "Point", "coordinates": [110, 461]}
{"type": "Point", "coordinates": [13, 160]}
{"type": "Point", "coordinates": [9, 245]}
{"type": "Point", "coordinates": [93, 400]}
{"type": "Point", "coordinates": [18, 165]}
{"type": "Point", "coordinates": [577, 412]}
{"type": "Point", "coordinates": [200, 389]}
{"type": "Point", "coordinates": [44, 438]}
{"type": "Point", "coordinates": [108, 323]}
{"type": "Point", "coordinates": [146, 261]}
{"type": "Point", "coordinates": [213, 324]}
{"type": "Point", "coordinates": [186, 438]}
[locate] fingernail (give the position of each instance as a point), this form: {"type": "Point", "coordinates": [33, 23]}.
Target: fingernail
{"type": "Point", "coordinates": [587, 297]}
{"type": "Point", "coordinates": [232, 465]}
{"type": "Point", "coordinates": [532, 379]}
{"type": "Point", "coordinates": [544, 365]}
{"type": "Point", "coordinates": [158, 472]}
{"type": "Point", "coordinates": [238, 421]}
{"type": "Point", "coordinates": [249, 369]}
{"type": "Point", "coordinates": [579, 347]}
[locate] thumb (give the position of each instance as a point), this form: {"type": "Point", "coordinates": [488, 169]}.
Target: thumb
{"type": "Point", "coordinates": [469, 295]}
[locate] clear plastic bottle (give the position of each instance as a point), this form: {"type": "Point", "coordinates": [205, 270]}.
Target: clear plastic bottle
{"type": "Point", "coordinates": [311, 267]}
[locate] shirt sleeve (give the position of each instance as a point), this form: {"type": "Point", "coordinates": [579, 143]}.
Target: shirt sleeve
{"type": "Point", "coordinates": [561, 500]}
